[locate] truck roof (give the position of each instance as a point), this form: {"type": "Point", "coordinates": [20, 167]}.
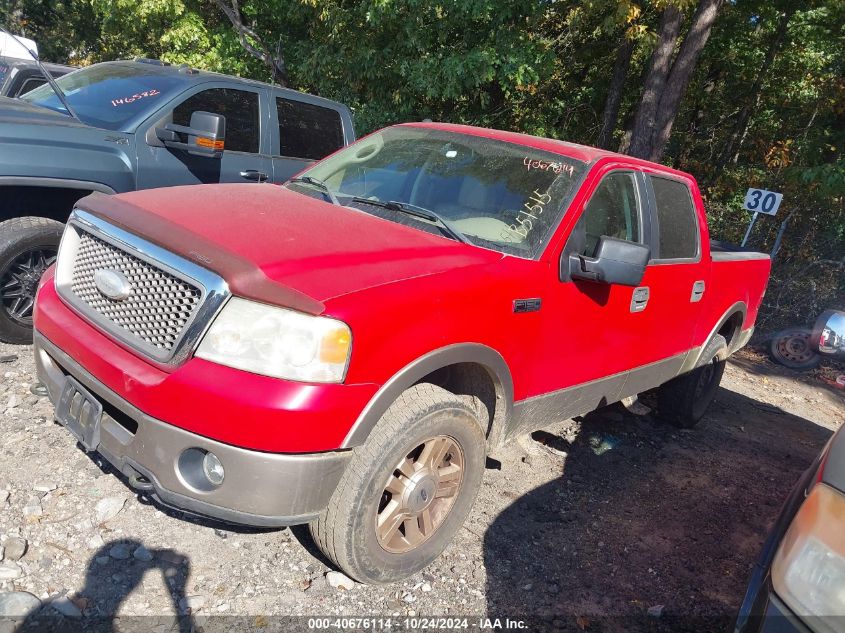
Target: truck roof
{"type": "Point", "coordinates": [583, 153]}
{"type": "Point", "coordinates": [194, 75]}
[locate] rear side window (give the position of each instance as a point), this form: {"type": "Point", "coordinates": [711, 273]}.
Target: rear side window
{"type": "Point", "coordinates": [240, 108]}
{"type": "Point", "coordinates": [676, 220]}
{"type": "Point", "coordinates": [31, 84]}
{"type": "Point", "coordinates": [307, 130]}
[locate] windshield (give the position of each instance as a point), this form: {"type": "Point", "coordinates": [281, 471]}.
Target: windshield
{"type": "Point", "coordinates": [4, 70]}
{"type": "Point", "coordinates": [498, 195]}
{"type": "Point", "coordinates": [107, 95]}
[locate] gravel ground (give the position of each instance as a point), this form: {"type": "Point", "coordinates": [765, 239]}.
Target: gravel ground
{"type": "Point", "coordinates": [611, 522]}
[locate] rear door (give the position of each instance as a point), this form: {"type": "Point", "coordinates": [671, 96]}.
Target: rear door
{"type": "Point", "coordinates": [305, 132]}
{"type": "Point", "coordinates": [246, 157]}
{"type": "Point", "coordinates": [678, 273]}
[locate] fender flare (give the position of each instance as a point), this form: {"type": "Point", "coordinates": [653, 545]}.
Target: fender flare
{"type": "Point", "coordinates": [54, 183]}
{"type": "Point", "coordinates": [412, 373]}
{"type": "Point", "coordinates": [694, 359]}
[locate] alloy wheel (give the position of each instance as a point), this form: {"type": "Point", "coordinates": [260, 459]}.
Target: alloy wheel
{"type": "Point", "coordinates": [419, 494]}
{"type": "Point", "coordinates": [19, 283]}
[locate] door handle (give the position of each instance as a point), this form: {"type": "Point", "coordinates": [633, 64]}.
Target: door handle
{"type": "Point", "coordinates": [639, 299]}
{"type": "Point", "coordinates": [254, 175]}
{"type": "Point", "coordinates": [697, 291]}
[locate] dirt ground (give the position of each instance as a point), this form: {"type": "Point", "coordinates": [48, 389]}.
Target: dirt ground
{"type": "Point", "coordinates": [587, 527]}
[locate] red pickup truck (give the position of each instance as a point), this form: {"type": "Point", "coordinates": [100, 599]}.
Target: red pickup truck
{"type": "Point", "coordinates": [345, 350]}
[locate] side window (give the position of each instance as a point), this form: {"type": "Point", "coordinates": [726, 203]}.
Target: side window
{"type": "Point", "coordinates": [238, 106]}
{"type": "Point", "coordinates": [676, 219]}
{"type": "Point", "coordinates": [613, 210]}
{"type": "Point", "coordinates": [307, 130]}
{"type": "Point", "coordinates": [30, 84]}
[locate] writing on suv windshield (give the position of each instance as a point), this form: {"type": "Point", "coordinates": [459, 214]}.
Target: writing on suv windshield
{"type": "Point", "coordinates": [493, 194]}
{"type": "Point", "coordinates": [106, 96]}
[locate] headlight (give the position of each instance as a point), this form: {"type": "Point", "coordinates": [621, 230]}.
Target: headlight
{"type": "Point", "coordinates": [808, 572]}
{"type": "Point", "coordinates": [276, 342]}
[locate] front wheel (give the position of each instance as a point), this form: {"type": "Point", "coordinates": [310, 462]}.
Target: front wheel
{"type": "Point", "coordinates": [408, 490]}
{"type": "Point", "coordinates": [28, 246]}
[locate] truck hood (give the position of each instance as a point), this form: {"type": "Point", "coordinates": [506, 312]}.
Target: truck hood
{"type": "Point", "coordinates": [37, 143]}
{"type": "Point", "coordinates": [18, 111]}
{"type": "Point", "coordinates": [277, 246]}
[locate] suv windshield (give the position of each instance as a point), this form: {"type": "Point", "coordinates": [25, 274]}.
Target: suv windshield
{"type": "Point", "coordinates": [498, 195]}
{"type": "Point", "coordinates": [107, 95]}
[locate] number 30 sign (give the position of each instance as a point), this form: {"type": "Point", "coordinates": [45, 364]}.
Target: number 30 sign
{"type": "Point", "coordinates": [762, 201]}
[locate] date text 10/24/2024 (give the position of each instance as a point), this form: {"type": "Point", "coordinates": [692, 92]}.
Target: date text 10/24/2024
{"type": "Point", "coordinates": [416, 624]}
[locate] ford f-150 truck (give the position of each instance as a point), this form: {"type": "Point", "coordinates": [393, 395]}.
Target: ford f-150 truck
{"type": "Point", "coordinates": [137, 125]}
{"type": "Point", "coordinates": [345, 350]}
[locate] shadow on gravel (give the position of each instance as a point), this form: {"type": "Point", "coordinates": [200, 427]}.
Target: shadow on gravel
{"type": "Point", "coordinates": [764, 366]}
{"type": "Point", "coordinates": [647, 515]}
{"type": "Point", "coordinates": [108, 581]}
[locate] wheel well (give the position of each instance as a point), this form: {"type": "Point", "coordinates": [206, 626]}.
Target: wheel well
{"type": "Point", "coordinates": [478, 384]}
{"type": "Point", "coordinates": [53, 203]}
{"type": "Point", "coordinates": [731, 328]}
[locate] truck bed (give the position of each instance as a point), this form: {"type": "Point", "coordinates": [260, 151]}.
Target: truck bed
{"type": "Point", "coordinates": [727, 252]}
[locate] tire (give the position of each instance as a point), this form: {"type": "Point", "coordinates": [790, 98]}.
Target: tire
{"type": "Point", "coordinates": [424, 416]}
{"type": "Point", "coordinates": [792, 348]}
{"type": "Point", "coordinates": [684, 400]}
{"type": "Point", "coordinates": [27, 248]}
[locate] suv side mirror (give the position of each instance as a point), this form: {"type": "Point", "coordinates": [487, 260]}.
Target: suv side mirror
{"type": "Point", "coordinates": [616, 262]}
{"type": "Point", "coordinates": [206, 135]}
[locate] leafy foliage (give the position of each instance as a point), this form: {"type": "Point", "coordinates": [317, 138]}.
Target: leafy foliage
{"type": "Point", "coordinates": [764, 105]}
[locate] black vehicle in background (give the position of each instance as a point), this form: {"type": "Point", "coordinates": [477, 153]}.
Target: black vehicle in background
{"type": "Point", "coordinates": [798, 585]}
{"type": "Point", "coordinates": [19, 76]}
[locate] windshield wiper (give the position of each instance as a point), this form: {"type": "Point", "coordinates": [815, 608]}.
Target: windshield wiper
{"type": "Point", "coordinates": [319, 184]}
{"type": "Point", "coordinates": [47, 76]}
{"type": "Point", "coordinates": [418, 212]}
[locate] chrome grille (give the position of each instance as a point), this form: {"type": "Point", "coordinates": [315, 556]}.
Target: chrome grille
{"type": "Point", "coordinates": [147, 298]}
{"type": "Point", "coordinates": [159, 305]}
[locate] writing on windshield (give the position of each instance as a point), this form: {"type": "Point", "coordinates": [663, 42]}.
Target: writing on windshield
{"type": "Point", "coordinates": [499, 195]}
{"type": "Point", "coordinates": [135, 97]}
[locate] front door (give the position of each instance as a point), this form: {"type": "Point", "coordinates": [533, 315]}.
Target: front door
{"type": "Point", "coordinates": [596, 332]}
{"type": "Point", "coordinates": [247, 146]}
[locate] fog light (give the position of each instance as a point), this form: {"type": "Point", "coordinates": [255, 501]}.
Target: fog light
{"type": "Point", "coordinates": [213, 469]}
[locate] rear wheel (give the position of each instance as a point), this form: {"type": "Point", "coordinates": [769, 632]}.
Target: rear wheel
{"type": "Point", "coordinates": [408, 490]}
{"type": "Point", "coordinates": [684, 400]}
{"type": "Point", "coordinates": [28, 246]}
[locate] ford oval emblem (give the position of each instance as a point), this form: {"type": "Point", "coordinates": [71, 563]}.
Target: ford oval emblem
{"type": "Point", "coordinates": [112, 284]}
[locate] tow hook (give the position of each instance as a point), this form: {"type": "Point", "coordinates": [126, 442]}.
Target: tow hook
{"type": "Point", "coordinates": [139, 482]}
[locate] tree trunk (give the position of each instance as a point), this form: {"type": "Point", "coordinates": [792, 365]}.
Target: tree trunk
{"type": "Point", "coordinates": [614, 92]}
{"type": "Point", "coordinates": [252, 44]}
{"type": "Point", "coordinates": [679, 77]}
{"type": "Point", "coordinates": [740, 128]}
{"type": "Point", "coordinates": [655, 82]}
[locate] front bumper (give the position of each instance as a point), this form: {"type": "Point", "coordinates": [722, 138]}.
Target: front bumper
{"type": "Point", "coordinates": [259, 488]}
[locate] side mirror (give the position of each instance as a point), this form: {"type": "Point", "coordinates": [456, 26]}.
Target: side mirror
{"type": "Point", "coordinates": [615, 262]}
{"type": "Point", "coordinates": [829, 333]}
{"type": "Point", "coordinates": [206, 135]}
